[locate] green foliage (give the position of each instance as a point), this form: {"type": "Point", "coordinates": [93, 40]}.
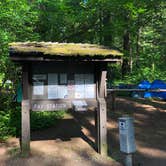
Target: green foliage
{"type": "Point", "coordinates": [40, 120]}
{"type": "Point", "coordinates": [139, 75]}
{"type": "Point", "coordinates": [17, 23]}
{"type": "Point", "coordinates": [5, 128]}
{"type": "Point", "coordinates": [93, 21]}
{"type": "Point", "coordinates": [10, 118]}
{"type": "Point", "coordinates": [114, 74]}
{"type": "Point", "coordinates": [15, 120]}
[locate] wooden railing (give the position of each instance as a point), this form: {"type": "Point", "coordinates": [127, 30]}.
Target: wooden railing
{"type": "Point", "coordinates": [113, 93]}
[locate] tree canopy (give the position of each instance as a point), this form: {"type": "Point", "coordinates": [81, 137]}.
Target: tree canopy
{"type": "Point", "coordinates": [137, 28]}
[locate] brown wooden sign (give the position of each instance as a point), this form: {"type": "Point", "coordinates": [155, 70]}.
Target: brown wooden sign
{"type": "Point", "coordinates": [58, 105]}
{"type": "Point", "coordinates": [49, 105]}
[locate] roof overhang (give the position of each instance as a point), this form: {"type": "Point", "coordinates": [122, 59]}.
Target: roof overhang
{"type": "Point", "coordinates": [48, 51]}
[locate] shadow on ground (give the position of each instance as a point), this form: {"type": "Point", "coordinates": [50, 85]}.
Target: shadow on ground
{"type": "Point", "coordinates": [68, 128]}
{"type": "Point", "coordinates": [62, 145]}
{"type": "Point", "coordinates": [150, 133]}
{"type": "Point", "coordinates": [150, 124]}
{"type": "Point", "coordinates": [68, 142]}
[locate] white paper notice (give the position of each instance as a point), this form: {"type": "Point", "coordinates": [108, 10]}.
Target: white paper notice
{"type": "Point", "coordinates": [84, 86]}
{"type": "Point", "coordinates": [90, 91]}
{"type": "Point", "coordinates": [56, 91]}
{"type": "Point", "coordinates": [38, 88]}
{"type": "Point", "coordinates": [52, 86]}
{"type": "Point", "coordinates": [62, 91]}
{"type": "Point", "coordinates": [89, 86]}
{"type": "Point", "coordinates": [79, 86]}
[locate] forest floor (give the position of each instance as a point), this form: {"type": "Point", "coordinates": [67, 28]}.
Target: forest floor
{"type": "Point", "coordinates": [71, 142]}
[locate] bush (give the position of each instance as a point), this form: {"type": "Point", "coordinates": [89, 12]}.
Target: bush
{"type": "Point", "coordinates": [39, 120]}
{"type": "Point", "coordinates": [5, 129]}
{"type": "Point", "coordinates": [15, 120]}
{"type": "Point", "coordinates": [145, 74]}
{"type": "Point", "coordinates": [10, 122]}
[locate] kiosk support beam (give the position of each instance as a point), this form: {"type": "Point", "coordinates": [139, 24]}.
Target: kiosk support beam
{"type": "Point", "coordinates": [101, 127]}
{"type": "Point", "coordinates": [101, 118]}
{"type": "Point", "coordinates": [25, 114]}
{"type": "Point", "coordinates": [25, 129]}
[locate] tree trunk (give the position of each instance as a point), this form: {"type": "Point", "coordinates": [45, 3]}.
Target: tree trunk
{"type": "Point", "coordinates": [131, 61]}
{"type": "Point", "coordinates": [100, 25]}
{"type": "Point", "coordinates": [107, 36]}
{"type": "Point", "coordinates": [137, 48]}
{"type": "Point", "coordinates": [126, 48]}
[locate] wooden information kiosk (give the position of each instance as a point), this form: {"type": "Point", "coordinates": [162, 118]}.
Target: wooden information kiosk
{"type": "Point", "coordinates": [61, 76]}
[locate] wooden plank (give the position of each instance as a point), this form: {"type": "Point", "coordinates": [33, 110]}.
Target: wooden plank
{"type": "Point", "coordinates": [25, 130]}
{"type": "Point", "coordinates": [101, 118]}
{"type": "Point", "coordinates": [59, 104]}
{"type": "Point", "coordinates": [51, 59]}
{"type": "Point", "coordinates": [136, 90]}
{"type": "Point", "coordinates": [102, 127]}
{"type": "Point", "coordinates": [25, 113]}
{"type": "Point", "coordinates": [102, 82]}
{"type": "Point", "coordinates": [113, 94]}
{"type": "Point", "coordinates": [49, 105]}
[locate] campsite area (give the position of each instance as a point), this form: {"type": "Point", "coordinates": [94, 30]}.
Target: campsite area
{"type": "Point", "coordinates": [69, 69]}
{"type": "Point", "coordinates": [71, 142]}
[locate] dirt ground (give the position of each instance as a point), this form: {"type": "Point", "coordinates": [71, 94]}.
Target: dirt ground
{"type": "Point", "coordinates": [150, 130]}
{"type": "Point", "coordinates": [71, 142]}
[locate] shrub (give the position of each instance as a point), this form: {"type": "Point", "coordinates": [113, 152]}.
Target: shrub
{"type": "Point", "coordinates": [15, 120]}
{"type": "Point", "coordinates": [10, 118]}
{"type": "Point", "coordinates": [5, 129]}
{"type": "Point", "coordinates": [39, 120]}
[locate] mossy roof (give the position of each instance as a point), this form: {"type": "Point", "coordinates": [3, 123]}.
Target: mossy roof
{"type": "Point", "coordinates": [63, 49]}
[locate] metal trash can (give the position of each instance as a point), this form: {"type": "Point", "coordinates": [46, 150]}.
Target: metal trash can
{"type": "Point", "coordinates": [127, 138]}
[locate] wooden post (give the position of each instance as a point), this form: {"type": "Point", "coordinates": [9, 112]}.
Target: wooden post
{"type": "Point", "coordinates": [101, 120]}
{"type": "Point", "coordinates": [25, 113]}
{"type": "Point", "coordinates": [102, 127]}
{"type": "Point", "coordinates": [25, 130]}
{"type": "Point", "coordinates": [102, 84]}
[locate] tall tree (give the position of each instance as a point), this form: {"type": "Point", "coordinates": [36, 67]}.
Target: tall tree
{"type": "Point", "coordinates": [17, 23]}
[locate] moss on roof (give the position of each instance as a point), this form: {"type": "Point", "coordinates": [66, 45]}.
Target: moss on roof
{"type": "Point", "coordinates": [63, 49]}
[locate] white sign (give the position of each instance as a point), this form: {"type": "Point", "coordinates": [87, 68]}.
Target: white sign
{"type": "Point", "coordinates": [80, 105]}
{"type": "Point", "coordinates": [38, 88]}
